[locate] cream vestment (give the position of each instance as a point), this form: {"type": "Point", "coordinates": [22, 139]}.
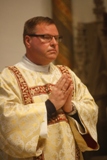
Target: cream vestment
{"type": "Point", "coordinates": [24, 131]}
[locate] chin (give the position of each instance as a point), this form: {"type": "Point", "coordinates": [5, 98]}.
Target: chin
{"type": "Point", "coordinates": [52, 58]}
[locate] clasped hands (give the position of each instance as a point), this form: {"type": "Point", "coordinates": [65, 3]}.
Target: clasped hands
{"type": "Point", "coordinates": [61, 93]}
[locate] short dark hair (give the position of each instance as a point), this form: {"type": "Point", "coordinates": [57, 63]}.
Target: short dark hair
{"type": "Point", "coordinates": [30, 24]}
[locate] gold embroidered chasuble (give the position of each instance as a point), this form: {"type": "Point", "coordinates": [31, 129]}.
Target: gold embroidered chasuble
{"type": "Point", "coordinates": [24, 131]}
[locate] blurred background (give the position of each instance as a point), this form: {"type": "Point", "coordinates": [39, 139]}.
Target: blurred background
{"type": "Point", "coordinates": [83, 25]}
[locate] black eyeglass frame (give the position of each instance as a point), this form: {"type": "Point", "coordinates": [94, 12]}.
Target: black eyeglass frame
{"type": "Point", "coordinates": [48, 36]}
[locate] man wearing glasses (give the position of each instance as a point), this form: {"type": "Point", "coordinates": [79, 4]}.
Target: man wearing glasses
{"type": "Point", "coordinates": [46, 112]}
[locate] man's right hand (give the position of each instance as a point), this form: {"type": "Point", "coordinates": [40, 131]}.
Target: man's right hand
{"type": "Point", "coordinates": [61, 91]}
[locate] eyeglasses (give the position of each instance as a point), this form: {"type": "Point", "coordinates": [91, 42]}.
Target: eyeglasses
{"type": "Point", "coordinates": [47, 37]}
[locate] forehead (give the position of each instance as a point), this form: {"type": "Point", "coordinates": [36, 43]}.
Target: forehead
{"type": "Point", "coordinates": [45, 28]}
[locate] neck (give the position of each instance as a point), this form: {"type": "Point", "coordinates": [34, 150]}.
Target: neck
{"type": "Point", "coordinates": [29, 64]}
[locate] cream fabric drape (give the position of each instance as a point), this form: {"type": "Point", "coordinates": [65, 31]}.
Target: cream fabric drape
{"type": "Point", "coordinates": [23, 93]}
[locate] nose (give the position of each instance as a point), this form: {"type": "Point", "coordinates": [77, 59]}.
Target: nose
{"type": "Point", "coordinates": [53, 41]}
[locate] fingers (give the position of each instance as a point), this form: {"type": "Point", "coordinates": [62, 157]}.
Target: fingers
{"type": "Point", "coordinates": [64, 82]}
{"type": "Point", "coordinates": [61, 82]}
{"type": "Point", "coordinates": [68, 91]}
{"type": "Point", "coordinates": [61, 91]}
{"type": "Point", "coordinates": [67, 106]}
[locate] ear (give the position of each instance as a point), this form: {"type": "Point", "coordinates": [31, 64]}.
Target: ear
{"type": "Point", "coordinates": [27, 41]}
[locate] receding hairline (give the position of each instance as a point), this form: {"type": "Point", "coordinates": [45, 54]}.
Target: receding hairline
{"type": "Point", "coordinates": [31, 23]}
{"type": "Point", "coordinates": [40, 19]}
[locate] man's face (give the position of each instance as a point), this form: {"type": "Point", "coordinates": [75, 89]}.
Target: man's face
{"type": "Point", "coordinates": [40, 50]}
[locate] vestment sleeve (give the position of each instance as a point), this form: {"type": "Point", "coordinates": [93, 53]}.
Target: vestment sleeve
{"type": "Point", "coordinates": [22, 126]}
{"type": "Point", "coordinates": [87, 112]}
